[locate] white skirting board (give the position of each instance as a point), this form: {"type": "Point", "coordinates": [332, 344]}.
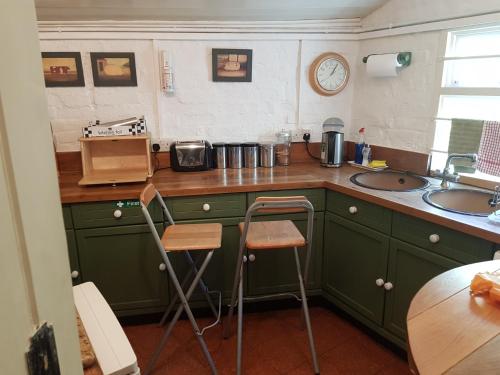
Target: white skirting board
{"type": "Point", "coordinates": [110, 344]}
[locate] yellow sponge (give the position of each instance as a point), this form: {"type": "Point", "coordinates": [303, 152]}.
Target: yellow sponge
{"type": "Point", "coordinates": [377, 164]}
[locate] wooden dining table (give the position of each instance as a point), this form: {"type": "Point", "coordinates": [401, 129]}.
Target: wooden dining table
{"type": "Point", "coordinates": [452, 332]}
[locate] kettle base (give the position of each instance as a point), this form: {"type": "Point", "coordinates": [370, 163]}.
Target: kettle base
{"type": "Point", "coordinates": [331, 165]}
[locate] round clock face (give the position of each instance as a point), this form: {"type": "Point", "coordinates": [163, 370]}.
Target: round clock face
{"type": "Point", "coordinates": [329, 74]}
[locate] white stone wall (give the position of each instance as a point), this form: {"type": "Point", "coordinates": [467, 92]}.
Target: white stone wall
{"type": "Point", "coordinates": [399, 112]}
{"type": "Point", "coordinates": [279, 96]}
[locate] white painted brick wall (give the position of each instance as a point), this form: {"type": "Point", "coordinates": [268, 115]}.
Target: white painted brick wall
{"type": "Point", "coordinates": [278, 97]}
{"type": "Point", "coordinates": [71, 108]}
{"type": "Point", "coordinates": [399, 112]}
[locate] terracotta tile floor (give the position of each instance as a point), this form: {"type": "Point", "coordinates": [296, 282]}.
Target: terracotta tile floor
{"type": "Point", "coordinates": [273, 344]}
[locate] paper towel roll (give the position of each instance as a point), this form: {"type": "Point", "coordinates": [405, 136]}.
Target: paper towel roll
{"type": "Point", "coordinates": [383, 65]}
{"type": "Point", "coordinates": [496, 256]}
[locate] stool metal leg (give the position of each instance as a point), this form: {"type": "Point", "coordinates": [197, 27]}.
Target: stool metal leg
{"type": "Point", "coordinates": [184, 306]}
{"type": "Point", "coordinates": [192, 269]}
{"type": "Point", "coordinates": [305, 309]}
{"type": "Point", "coordinates": [240, 323]}
{"type": "Point", "coordinates": [238, 276]}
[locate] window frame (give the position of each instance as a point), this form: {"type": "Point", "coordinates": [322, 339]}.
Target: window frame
{"type": "Point", "coordinates": [447, 39]}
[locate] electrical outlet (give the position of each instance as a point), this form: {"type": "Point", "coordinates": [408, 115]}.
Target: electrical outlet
{"type": "Point", "coordinates": [296, 136]}
{"type": "Point", "coordinates": [164, 143]}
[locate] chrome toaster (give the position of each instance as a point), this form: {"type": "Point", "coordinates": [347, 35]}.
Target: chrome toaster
{"type": "Point", "coordinates": [190, 156]}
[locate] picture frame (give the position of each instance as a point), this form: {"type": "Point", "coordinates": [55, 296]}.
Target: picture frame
{"type": "Point", "coordinates": [113, 69]}
{"type": "Point", "coordinates": [62, 69]}
{"type": "Point", "coordinates": [231, 65]}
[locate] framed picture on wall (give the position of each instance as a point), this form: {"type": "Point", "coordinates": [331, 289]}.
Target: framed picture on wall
{"type": "Point", "coordinates": [62, 69]}
{"type": "Point", "coordinates": [113, 68]}
{"type": "Point", "coordinates": [231, 65]}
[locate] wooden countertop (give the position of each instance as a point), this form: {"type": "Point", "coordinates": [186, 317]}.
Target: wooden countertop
{"type": "Point", "coordinates": [451, 332]}
{"type": "Point", "coordinates": [295, 176]}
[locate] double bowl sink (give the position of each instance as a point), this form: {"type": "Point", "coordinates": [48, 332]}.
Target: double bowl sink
{"type": "Point", "coordinates": [462, 201]}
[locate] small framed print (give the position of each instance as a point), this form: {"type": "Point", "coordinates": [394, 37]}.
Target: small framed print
{"type": "Point", "coordinates": [62, 69]}
{"type": "Point", "coordinates": [231, 65]}
{"type": "Point", "coordinates": [113, 68]}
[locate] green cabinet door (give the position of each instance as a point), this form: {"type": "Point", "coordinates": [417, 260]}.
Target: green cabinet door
{"type": "Point", "coordinates": [275, 271]}
{"type": "Point", "coordinates": [354, 258]}
{"type": "Point", "coordinates": [410, 267]}
{"type": "Point", "coordinates": [220, 271]}
{"type": "Point", "coordinates": [73, 256]}
{"type": "Point", "coordinates": [124, 264]}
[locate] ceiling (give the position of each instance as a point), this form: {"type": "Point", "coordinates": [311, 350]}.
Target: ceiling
{"type": "Point", "coordinates": [203, 10]}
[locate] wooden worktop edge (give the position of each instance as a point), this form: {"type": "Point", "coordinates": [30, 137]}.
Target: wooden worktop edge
{"type": "Point", "coordinates": [104, 194]}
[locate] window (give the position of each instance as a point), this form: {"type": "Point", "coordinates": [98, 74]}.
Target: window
{"type": "Point", "coordinates": [470, 87]}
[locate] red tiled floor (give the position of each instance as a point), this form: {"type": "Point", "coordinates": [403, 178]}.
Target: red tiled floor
{"type": "Point", "coordinates": [273, 344]}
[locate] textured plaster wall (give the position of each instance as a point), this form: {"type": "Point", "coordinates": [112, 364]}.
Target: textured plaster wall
{"type": "Point", "coordinates": [279, 96]}
{"type": "Point", "coordinates": [400, 12]}
{"type": "Point", "coordinates": [399, 112]}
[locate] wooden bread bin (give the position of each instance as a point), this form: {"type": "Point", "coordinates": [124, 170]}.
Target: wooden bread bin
{"type": "Point", "coordinates": [114, 160]}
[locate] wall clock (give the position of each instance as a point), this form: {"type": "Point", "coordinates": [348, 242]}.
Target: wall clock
{"type": "Point", "coordinates": [329, 73]}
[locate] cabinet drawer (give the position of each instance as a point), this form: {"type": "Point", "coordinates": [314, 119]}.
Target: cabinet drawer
{"type": "Point", "coordinates": [359, 211]}
{"type": "Point", "coordinates": [207, 207]}
{"type": "Point", "coordinates": [441, 240]}
{"type": "Point", "coordinates": [315, 196]}
{"type": "Point", "coordinates": [113, 213]}
{"type": "Point", "coordinates": [68, 221]}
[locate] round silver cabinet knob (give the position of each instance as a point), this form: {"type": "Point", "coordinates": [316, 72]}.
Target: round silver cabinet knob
{"type": "Point", "coordinates": [434, 238]}
{"type": "Point", "coordinates": [117, 214]}
{"type": "Point", "coordinates": [379, 282]}
{"type": "Point", "coordinates": [388, 286]}
{"type": "Point", "coordinates": [75, 274]}
{"type": "Point", "coordinates": [206, 207]}
{"type": "Point", "coordinates": [353, 210]}
{"type": "Point", "coordinates": [251, 257]}
{"type": "Point", "coordinates": [162, 267]}
{"type": "Point", "coordinates": [245, 259]}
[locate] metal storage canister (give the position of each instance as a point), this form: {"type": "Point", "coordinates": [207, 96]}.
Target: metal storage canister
{"type": "Point", "coordinates": [251, 155]}
{"type": "Point", "coordinates": [267, 155]}
{"type": "Point", "coordinates": [219, 155]}
{"type": "Point", "coordinates": [235, 152]}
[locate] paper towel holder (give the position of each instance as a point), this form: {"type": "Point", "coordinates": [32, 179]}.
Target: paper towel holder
{"type": "Point", "coordinates": [404, 58]}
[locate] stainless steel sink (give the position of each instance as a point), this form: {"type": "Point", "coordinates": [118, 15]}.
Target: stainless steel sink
{"type": "Point", "coordinates": [390, 181]}
{"type": "Point", "coordinates": [462, 201]}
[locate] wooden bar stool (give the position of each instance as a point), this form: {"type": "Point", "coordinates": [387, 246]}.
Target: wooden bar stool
{"type": "Point", "coordinates": [183, 238]}
{"type": "Point", "coordinates": [267, 235]}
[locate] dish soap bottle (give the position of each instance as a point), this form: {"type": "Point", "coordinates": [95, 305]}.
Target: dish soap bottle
{"type": "Point", "coordinates": [358, 156]}
{"type": "Point", "coordinates": [367, 155]}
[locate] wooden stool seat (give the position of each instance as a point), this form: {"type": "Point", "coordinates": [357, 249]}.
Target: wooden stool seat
{"type": "Point", "coordinates": [182, 237]}
{"type": "Point", "coordinates": [273, 235]}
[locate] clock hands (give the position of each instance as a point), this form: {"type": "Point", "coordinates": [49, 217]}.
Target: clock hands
{"type": "Point", "coordinates": [333, 71]}
{"type": "Point", "coordinates": [331, 74]}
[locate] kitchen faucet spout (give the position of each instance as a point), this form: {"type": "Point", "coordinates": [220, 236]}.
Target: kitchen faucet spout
{"type": "Point", "coordinates": [446, 172]}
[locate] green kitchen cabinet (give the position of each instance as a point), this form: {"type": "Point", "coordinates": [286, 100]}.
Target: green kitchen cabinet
{"type": "Point", "coordinates": [73, 256]}
{"type": "Point", "coordinates": [410, 267]}
{"type": "Point", "coordinates": [219, 274]}
{"type": "Point", "coordinates": [68, 220]}
{"type": "Point", "coordinates": [275, 271]}
{"type": "Point", "coordinates": [355, 257]}
{"type": "Point", "coordinates": [124, 263]}
{"type": "Point", "coordinates": [449, 243]}
{"type": "Point", "coordinates": [112, 213]}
